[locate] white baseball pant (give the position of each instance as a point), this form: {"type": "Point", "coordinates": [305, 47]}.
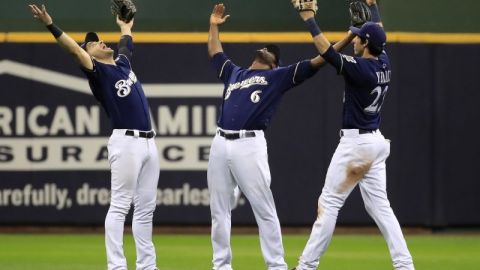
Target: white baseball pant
{"type": "Point", "coordinates": [135, 170]}
{"type": "Point", "coordinates": [358, 159]}
{"type": "Point", "coordinates": [242, 162]}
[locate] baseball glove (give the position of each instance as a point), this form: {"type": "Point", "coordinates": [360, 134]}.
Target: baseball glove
{"type": "Point", "coordinates": [305, 5]}
{"type": "Point", "coordinates": [125, 9]}
{"type": "Point", "coordinates": [359, 13]}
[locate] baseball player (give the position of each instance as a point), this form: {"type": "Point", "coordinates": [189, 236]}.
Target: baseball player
{"type": "Point", "coordinates": [238, 154]}
{"type": "Point", "coordinates": [361, 154]}
{"type": "Point", "coordinates": [132, 152]}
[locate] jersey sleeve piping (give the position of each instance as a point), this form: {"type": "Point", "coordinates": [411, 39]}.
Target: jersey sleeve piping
{"type": "Point", "coordinates": [223, 66]}
{"type": "Point", "coordinates": [295, 73]}
{"type": "Point", "coordinates": [340, 70]}
{"type": "Point", "coordinates": [128, 60]}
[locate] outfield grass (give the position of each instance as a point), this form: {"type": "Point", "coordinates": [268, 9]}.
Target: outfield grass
{"type": "Point", "coordinates": [193, 252]}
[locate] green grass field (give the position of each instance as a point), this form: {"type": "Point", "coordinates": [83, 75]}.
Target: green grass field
{"type": "Point", "coordinates": [193, 252]}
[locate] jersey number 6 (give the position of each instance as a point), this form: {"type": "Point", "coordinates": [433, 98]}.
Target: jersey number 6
{"type": "Point", "coordinates": [255, 96]}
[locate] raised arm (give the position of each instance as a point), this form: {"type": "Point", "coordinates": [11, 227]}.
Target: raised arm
{"type": "Point", "coordinates": [125, 28]}
{"type": "Point", "coordinates": [374, 11]}
{"type": "Point", "coordinates": [321, 42]}
{"type": "Point", "coordinates": [319, 61]}
{"type": "Point", "coordinates": [216, 18]}
{"type": "Point", "coordinates": [125, 46]}
{"type": "Point", "coordinates": [65, 41]}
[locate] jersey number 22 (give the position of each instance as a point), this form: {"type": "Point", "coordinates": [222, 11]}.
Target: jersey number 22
{"type": "Point", "coordinates": [377, 103]}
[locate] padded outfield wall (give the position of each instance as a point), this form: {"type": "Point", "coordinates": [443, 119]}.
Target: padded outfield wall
{"type": "Point", "coordinates": [53, 136]}
{"type": "Point", "coordinates": [53, 133]}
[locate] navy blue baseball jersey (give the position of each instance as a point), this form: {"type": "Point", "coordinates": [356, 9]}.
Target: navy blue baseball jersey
{"type": "Point", "coordinates": [250, 97]}
{"type": "Point", "coordinates": [366, 84]}
{"type": "Point", "coordinates": [119, 91]}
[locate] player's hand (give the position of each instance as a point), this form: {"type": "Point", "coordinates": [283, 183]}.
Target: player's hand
{"type": "Point", "coordinates": [217, 16]}
{"type": "Point", "coordinates": [371, 2]}
{"type": "Point", "coordinates": [41, 14]}
{"type": "Point", "coordinates": [121, 23]}
{"type": "Point", "coordinates": [307, 14]}
{"type": "Point", "coordinates": [306, 8]}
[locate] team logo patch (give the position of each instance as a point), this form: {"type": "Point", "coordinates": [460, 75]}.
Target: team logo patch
{"type": "Point", "coordinates": [255, 96]}
{"type": "Point", "coordinates": [349, 58]}
{"type": "Point", "coordinates": [124, 87]}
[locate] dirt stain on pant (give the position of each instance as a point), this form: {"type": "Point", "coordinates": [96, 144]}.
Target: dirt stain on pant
{"type": "Point", "coordinates": [355, 173]}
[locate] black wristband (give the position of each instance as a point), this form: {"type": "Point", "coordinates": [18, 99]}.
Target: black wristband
{"type": "Point", "coordinates": [56, 32]}
{"type": "Point", "coordinates": [313, 27]}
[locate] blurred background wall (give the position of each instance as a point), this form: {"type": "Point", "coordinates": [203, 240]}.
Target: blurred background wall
{"type": "Point", "coordinates": [53, 133]}
{"type": "Point", "coordinates": [251, 16]}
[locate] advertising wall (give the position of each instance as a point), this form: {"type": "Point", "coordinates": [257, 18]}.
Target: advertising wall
{"type": "Point", "coordinates": [53, 135]}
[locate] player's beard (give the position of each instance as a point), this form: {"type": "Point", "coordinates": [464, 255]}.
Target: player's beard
{"type": "Point", "coordinates": [263, 58]}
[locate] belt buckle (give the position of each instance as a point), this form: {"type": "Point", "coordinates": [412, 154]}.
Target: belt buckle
{"type": "Point", "coordinates": [149, 134]}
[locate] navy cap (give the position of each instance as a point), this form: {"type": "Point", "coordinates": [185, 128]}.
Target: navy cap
{"type": "Point", "coordinates": [275, 50]}
{"type": "Point", "coordinates": [371, 31]}
{"type": "Point", "coordinates": [89, 37]}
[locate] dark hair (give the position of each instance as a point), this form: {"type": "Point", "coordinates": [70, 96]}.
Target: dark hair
{"type": "Point", "coordinates": [89, 37]}
{"type": "Point", "coordinates": [275, 50]}
{"type": "Point", "coordinates": [373, 49]}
